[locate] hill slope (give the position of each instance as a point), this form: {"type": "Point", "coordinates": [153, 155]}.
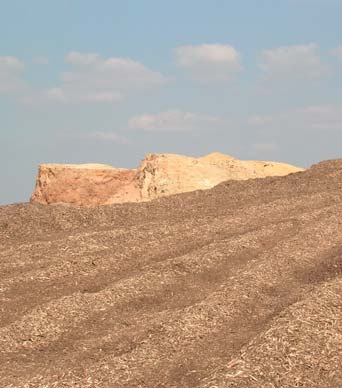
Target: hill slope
{"type": "Point", "coordinates": [236, 286]}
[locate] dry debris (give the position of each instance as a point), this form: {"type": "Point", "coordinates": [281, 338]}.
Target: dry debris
{"type": "Point", "coordinates": [237, 286]}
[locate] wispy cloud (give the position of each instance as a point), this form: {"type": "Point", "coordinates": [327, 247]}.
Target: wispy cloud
{"type": "Point", "coordinates": [293, 63]}
{"type": "Point", "coordinates": [337, 52]}
{"type": "Point", "coordinates": [92, 78]}
{"type": "Point", "coordinates": [110, 137]}
{"type": "Point", "coordinates": [209, 62]}
{"type": "Point", "coordinates": [11, 69]}
{"type": "Point", "coordinates": [175, 121]}
{"type": "Point", "coordinates": [311, 118]}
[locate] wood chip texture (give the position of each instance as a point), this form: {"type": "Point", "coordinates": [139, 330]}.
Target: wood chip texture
{"type": "Point", "coordinates": [236, 286]}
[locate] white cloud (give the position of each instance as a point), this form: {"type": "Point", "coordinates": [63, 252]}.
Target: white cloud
{"type": "Point", "coordinates": [69, 94]}
{"type": "Point", "coordinates": [96, 79]}
{"type": "Point", "coordinates": [11, 69]}
{"type": "Point", "coordinates": [209, 62]}
{"type": "Point", "coordinates": [175, 121]}
{"type": "Point", "coordinates": [337, 52]}
{"type": "Point", "coordinates": [11, 63]}
{"type": "Point", "coordinates": [293, 62]}
{"type": "Point", "coordinates": [312, 118]}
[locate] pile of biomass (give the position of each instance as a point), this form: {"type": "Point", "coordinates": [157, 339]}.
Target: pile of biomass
{"type": "Point", "coordinates": [236, 286]}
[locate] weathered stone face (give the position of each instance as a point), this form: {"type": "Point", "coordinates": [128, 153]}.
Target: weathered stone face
{"type": "Point", "coordinates": [158, 175]}
{"type": "Point", "coordinates": [84, 185]}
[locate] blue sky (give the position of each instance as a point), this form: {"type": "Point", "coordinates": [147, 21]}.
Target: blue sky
{"type": "Point", "coordinates": [109, 81]}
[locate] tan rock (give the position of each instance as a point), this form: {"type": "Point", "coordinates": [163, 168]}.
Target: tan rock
{"type": "Point", "coordinates": [165, 174]}
{"type": "Point", "coordinates": [158, 175]}
{"type": "Point", "coordinates": [85, 184]}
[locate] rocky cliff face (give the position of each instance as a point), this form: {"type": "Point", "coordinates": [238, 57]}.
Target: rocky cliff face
{"type": "Point", "coordinates": [166, 174]}
{"type": "Point", "coordinates": [158, 175]}
{"type": "Point", "coordinates": [85, 184]}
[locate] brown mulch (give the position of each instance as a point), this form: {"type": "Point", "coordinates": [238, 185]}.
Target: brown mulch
{"type": "Point", "coordinates": [237, 286]}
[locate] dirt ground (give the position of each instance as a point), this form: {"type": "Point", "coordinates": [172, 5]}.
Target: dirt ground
{"type": "Point", "coordinates": [237, 286]}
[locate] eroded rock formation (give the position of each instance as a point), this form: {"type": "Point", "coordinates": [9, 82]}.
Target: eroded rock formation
{"type": "Point", "coordinates": [158, 175]}
{"type": "Point", "coordinates": [85, 184]}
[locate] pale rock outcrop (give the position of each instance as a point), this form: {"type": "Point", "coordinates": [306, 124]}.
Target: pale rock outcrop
{"type": "Point", "coordinates": [84, 184]}
{"type": "Point", "coordinates": [158, 175]}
